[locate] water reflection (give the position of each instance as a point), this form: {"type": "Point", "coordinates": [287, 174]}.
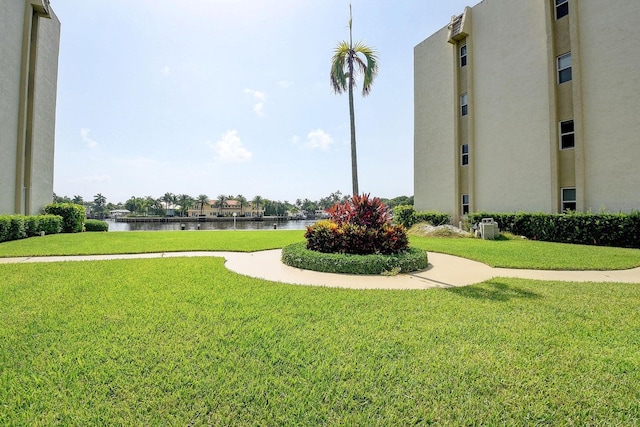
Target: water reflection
{"type": "Point", "coordinates": [218, 225]}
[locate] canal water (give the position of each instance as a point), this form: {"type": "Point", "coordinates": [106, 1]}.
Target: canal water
{"type": "Point", "coordinates": [215, 225]}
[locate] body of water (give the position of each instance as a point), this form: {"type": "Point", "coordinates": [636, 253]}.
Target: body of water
{"type": "Point", "coordinates": [215, 225]}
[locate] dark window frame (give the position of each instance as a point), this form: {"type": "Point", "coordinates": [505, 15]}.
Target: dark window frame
{"type": "Point", "coordinates": [561, 8]}
{"type": "Point", "coordinates": [567, 134]}
{"type": "Point", "coordinates": [564, 71]}
{"type": "Point", "coordinates": [464, 155]}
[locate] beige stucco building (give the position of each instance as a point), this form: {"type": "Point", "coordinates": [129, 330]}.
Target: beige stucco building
{"type": "Point", "coordinates": [29, 43]}
{"type": "Point", "coordinates": [530, 105]}
{"type": "Point", "coordinates": [212, 209]}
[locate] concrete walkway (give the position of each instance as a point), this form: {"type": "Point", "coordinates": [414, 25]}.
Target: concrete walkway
{"type": "Point", "coordinates": [444, 271]}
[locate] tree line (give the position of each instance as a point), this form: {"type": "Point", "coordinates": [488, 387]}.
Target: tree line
{"type": "Point", "coordinates": [179, 204]}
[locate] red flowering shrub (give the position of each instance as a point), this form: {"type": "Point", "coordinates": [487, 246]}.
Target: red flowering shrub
{"type": "Point", "coordinates": [360, 226]}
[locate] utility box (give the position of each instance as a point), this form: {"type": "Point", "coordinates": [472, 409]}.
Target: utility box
{"type": "Point", "coordinates": [489, 229]}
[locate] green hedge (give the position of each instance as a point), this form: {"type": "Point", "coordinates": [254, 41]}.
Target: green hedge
{"type": "Point", "coordinates": [95, 225]}
{"type": "Point", "coordinates": [297, 255]}
{"type": "Point", "coordinates": [621, 230]}
{"type": "Point", "coordinates": [14, 227]}
{"type": "Point", "coordinates": [407, 216]}
{"type": "Point", "coordinates": [73, 216]}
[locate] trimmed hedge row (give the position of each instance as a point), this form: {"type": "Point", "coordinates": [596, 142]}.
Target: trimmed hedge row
{"type": "Point", "coordinates": [621, 230]}
{"type": "Point", "coordinates": [95, 225]}
{"type": "Point", "coordinates": [407, 216]}
{"type": "Point", "coordinates": [297, 255]}
{"type": "Point", "coordinates": [73, 216]}
{"type": "Point", "coordinates": [14, 227]}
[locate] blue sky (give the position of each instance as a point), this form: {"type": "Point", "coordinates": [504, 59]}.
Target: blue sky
{"type": "Point", "coordinates": [233, 97]}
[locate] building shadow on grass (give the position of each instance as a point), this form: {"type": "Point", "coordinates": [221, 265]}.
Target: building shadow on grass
{"type": "Point", "coordinates": [494, 290]}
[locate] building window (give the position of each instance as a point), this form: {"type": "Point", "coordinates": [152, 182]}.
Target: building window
{"type": "Point", "coordinates": [562, 8]}
{"type": "Point", "coordinates": [567, 135]}
{"type": "Point", "coordinates": [568, 199]}
{"type": "Point", "coordinates": [564, 68]}
{"type": "Point", "coordinates": [463, 55]}
{"type": "Point", "coordinates": [465, 204]}
{"type": "Point", "coordinates": [463, 105]}
{"type": "Point", "coordinates": [464, 154]}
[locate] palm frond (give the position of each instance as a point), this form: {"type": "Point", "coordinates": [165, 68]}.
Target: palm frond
{"type": "Point", "coordinates": [368, 69]}
{"type": "Point", "coordinates": [338, 76]}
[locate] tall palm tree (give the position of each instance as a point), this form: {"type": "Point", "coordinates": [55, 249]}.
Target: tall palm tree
{"type": "Point", "coordinates": [348, 61]}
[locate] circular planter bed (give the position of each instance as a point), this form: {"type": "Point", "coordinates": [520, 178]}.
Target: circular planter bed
{"type": "Point", "coordinates": [297, 255]}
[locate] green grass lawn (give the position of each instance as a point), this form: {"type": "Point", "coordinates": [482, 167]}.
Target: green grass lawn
{"type": "Point", "coordinates": [184, 341]}
{"type": "Point", "coordinates": [531, 254]}
{"type": "Point", "coordinates": [134, 242]}
{"type": "Point", "coordinates": [497, 253]}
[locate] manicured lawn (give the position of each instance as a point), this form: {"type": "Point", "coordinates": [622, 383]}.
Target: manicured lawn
{"type": "Point", "coordinates": [150, 241]}
{"type": "Point", "coordinates": [533, 254]}
{"type": "Point", "coordinates": [183, 341]}
{"type": "Point", "coordinates": [499, 253]}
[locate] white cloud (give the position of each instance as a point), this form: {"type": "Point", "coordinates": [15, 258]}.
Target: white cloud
{"type": "Point", "coordinates": [295, 139]}
{"type": "Point", "coordinates": [259, 97]}
{"type": "Point", "coordinates": [88, 141]}
{"type": "Point", "coordinates": [285, 84]}
{"type": "Point", "coordinates": [318, 139]}
{"type": "Point", "coordinates": [229, 148]}
{"type": "Point", "coordinates": [165, 70]}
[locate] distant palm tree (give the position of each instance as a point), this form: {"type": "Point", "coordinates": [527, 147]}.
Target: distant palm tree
{"type": "Point", "coordinates": [202, 199]}
{"type": "Point", "coordinates": [77, 200]}
{"type": "Point", "coordinates": [185, 202]}
{"type": "Point", "coordinates": [243, 201]}
{"type": "Point", "coordinates": [221, 199]}
{"type": "Point", "coordinates": [168, 199]}
{"type": "Point", "coordinates": [256, 203]}
{"type": "Point", "coordinates": [99, 203]}
{"type": "Point", "coordinates": [345, 65]}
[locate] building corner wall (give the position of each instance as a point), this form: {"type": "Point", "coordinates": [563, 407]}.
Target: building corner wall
{"type": "Point", "coordinates": [28, 89]}
{"type": "Point", "coordinates": [434, 126]}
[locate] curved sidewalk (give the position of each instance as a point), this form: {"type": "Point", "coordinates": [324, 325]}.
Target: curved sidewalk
{"type": "Point", "coordinates": [444, 271]}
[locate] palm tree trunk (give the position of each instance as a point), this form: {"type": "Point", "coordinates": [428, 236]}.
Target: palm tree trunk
{"type": "Point", "coordinates": [352, 116]}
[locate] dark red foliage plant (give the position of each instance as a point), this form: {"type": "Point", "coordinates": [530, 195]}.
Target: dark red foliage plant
{"type": "Point", "coordinates": [362, 226]}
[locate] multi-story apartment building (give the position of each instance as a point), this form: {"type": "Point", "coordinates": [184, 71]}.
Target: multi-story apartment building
{"type": "Point", "coordinates": [530, 105]}
{"type": "Point", "coordinates": [29, 42]}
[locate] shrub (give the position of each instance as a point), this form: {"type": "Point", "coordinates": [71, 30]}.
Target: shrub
{"type": "Point", "coordinates": [579, 228]}
{"type": "Point", "coordinates": [433, 218]}
{"type": "Point", "coordinates": [32, 225]}
{"type": "Point", "coordinates": [51, 224]}
{"type": "Point", "coordinates": [407, 216]}
{"type": "Point", "coordinates": [12, 227]}
{"type": "Point", "coordinates": [297, 255]}
{"type": "Point", "coordinates": [360, 226]}
{"type": "Point", "coordinates": [95, 225]}
{"type": "Point", "coordinates": [73, 216]}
